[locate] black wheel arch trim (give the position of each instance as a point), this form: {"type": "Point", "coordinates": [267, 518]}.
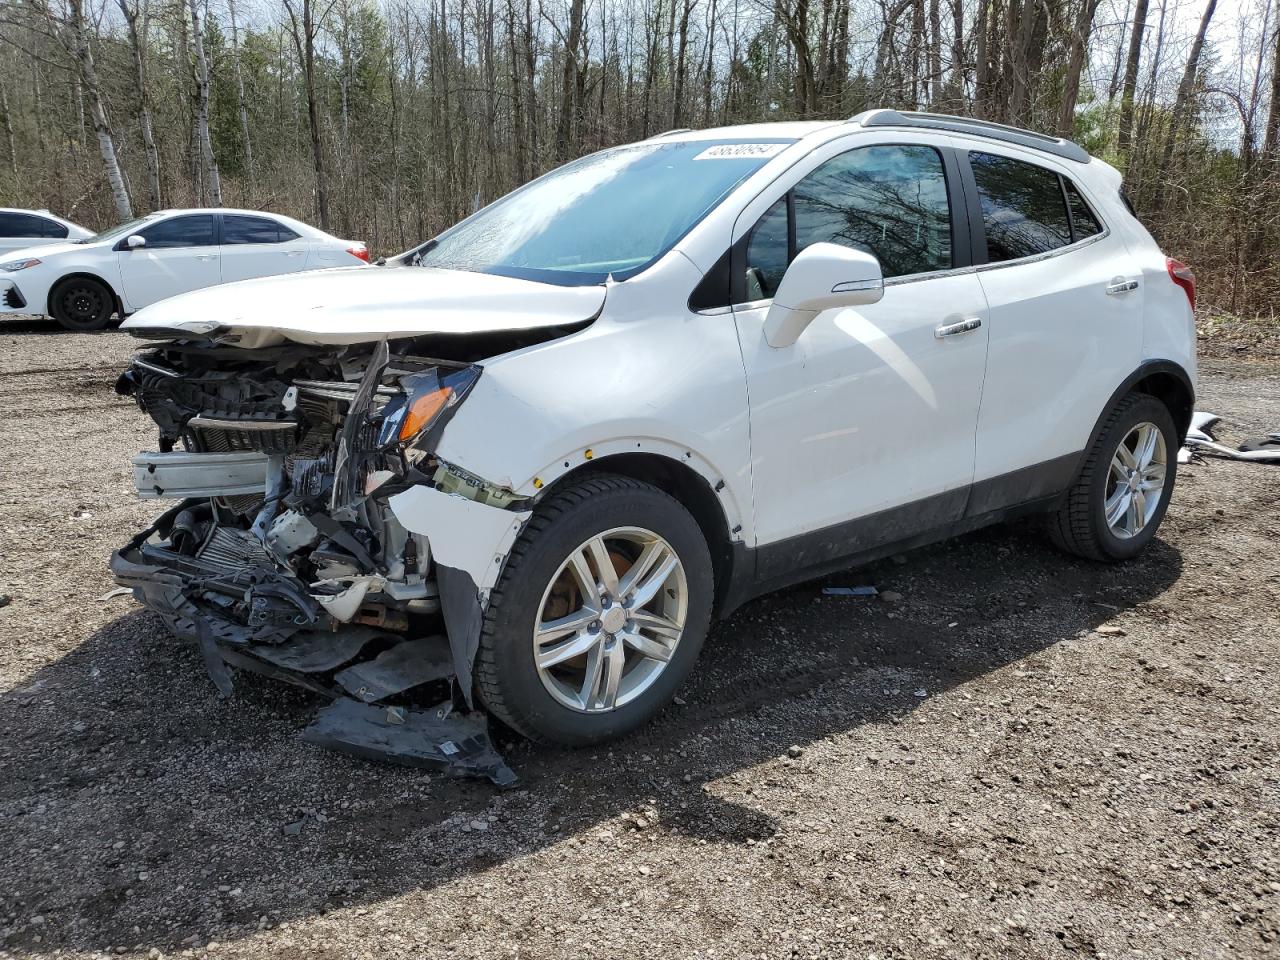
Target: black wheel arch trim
{"type": "Point", "coordinates": [1146, 370]}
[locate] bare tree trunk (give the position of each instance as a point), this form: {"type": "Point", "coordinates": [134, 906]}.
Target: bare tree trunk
{"type": "Point", "coordinates": [958, 72]}
{"type": "Point", "coordinates": [207, 158]}
{"type": "Point", "coordinates": [982, 74]}
{"type": "Point", "coordinates": [1186, 86]}
{"type": "Point", "coordinates": [106, 139]}
{"type": "Point", "coordinates": [8, 133]}
{"type": "Point", "coordinates": [137, 45]}
{"type": "Point", "coordinates": [1078, 47]}
{"type": "Point", "coordinates": [304, 40]}
{"type": "Point", "coordinates": [1271, 131]}
{"type": "Point", "coordinates": [677, 92]}
{"type": "Point", "coordinates": [519, 162]}
{"type": "Point", "coordinates": [531, 98]}
{"type": "Point", "coordinates": [1125, 134]}
{"type": "Point", "coordinates": [241, 102]}
{"type": "Point", "coordinates": [708, 77]}
{"type": "Point", "coordinates": [573, 40]}
{"type": "Point", "coordinates": [935, 53]}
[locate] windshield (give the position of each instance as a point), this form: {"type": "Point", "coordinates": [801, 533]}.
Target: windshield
{"type": "Point", "coordinates": [128, 227]}
{"type": "Point", "coordinates": [610, 214]}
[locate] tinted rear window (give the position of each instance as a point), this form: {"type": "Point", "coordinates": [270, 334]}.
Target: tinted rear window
{"type": "Point", "coordinates": [1084, 223]}
{"type": "Point", "coordinates": [29, 225]}
{"type": "Point", "coordinates": [1023, 209]}
{"type": "Point", "coordinates": [237, 228]}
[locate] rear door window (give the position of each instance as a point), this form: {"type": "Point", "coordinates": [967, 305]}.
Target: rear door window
{"type": "Point", "coordinates": [1084, 223]}
{"type": "Point", "coordinates": [237, 228]}
{"type": "Point", "coordinates": [1024, 211]}
{"type": "Point", "coordinates": [29, 225]}
{"type": "Point", "coordinates": [195, 230]}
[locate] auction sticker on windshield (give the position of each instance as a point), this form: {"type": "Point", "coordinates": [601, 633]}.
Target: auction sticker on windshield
{"type": "Point", "coordinates": [741, 151]}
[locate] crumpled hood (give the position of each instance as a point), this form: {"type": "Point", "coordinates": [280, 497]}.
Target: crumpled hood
{"type": "Point", "coordinates": [361, 304]}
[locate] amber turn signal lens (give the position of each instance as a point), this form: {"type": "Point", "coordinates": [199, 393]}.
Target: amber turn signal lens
{"type": "Point", "coordinates": [422, 411]}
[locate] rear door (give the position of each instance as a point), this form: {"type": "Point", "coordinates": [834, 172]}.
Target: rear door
{"type": "Point", "coordinates": [181, 254]}
{"type": "Point", "coordinates": [257, 246]}
{"type": "Point", "coordinates": [21, 230]}
{"type": "Point", "coordinates": [1065, 298]}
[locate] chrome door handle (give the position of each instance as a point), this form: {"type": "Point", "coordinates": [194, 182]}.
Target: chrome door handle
{"type": "Point", "coordinates": [961, 326]}
{"type": "Point", "coordinates": [295, 253]}
{"type": "Point", "coordinates": [1121, 285]}
{"type": "Point", "coordinates": [204, 256]}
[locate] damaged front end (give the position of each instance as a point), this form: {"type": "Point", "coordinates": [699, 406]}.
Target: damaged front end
{"type": "Point", "coordinates": [317, 538]}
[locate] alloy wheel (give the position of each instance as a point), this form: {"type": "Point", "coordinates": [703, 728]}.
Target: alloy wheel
{"type": "Point", "coordinates": [610, 620]}
{"type": "Point", "coordinates": [1135, 480]}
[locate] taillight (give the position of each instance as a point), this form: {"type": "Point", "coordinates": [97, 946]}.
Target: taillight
{"type": "Point", "coordinates": [1181, 274]}
{"type": "Point", "coordinates": [359, 251]}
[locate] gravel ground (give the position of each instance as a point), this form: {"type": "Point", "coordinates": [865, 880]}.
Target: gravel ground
{"type": "Point", "coordinates": [1025, 755]}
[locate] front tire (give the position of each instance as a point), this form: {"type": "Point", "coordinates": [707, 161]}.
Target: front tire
{"type": "Point", "coordinates": [599, 614]}
{"type": "Point", "coordinates": [1115, 506]}
{"type": "Point", "coordinates": [82, 304]}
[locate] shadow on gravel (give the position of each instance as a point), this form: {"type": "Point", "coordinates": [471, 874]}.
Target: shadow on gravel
{"type": "Point", "coordinates": [26, 324]}
{"type": "Point", "coordinates": [137, 810]}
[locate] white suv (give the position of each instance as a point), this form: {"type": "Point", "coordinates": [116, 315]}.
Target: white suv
{"type": "Point", "coordinates": [641, 390]}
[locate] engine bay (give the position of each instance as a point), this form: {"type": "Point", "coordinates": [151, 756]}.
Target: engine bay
{"type": "Point", "coordinates": [283, 553]}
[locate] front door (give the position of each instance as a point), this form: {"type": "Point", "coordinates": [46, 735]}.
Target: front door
{"type": "Point", "coordinates": [181, 254]}
{"type": "Point", "coordinates": [862, 432]}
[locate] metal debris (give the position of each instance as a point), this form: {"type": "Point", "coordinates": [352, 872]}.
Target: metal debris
{"type": "Point", "coordinates": [1201, 442]}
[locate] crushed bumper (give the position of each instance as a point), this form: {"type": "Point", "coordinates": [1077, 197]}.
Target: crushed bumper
{"type": "Point", "coordinates": [341, 664]}
{"type": "Point", "coordinates": [308, 546]}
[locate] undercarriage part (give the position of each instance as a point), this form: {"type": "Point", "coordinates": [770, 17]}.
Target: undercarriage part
{"type": "Point", "coordinates": [213, 661]}
{"type": "Point", "coordinates": [315, 652]}
{"type": "Point", "coordinates": [457, 742]}
{"type": "Point", "coordinates": [406, 665]}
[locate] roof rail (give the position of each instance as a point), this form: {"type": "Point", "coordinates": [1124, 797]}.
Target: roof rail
{"type": "Point", "coordinates": [670, 133]}
{"type": "Point", "coordinates": [978, 128]}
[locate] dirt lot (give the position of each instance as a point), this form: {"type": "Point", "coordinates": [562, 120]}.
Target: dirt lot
{"type": "Point", "coordinates": [1026, 755]}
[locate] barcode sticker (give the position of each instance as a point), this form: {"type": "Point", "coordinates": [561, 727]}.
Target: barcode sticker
{"type": "Point", "coordinates": [741, 151]}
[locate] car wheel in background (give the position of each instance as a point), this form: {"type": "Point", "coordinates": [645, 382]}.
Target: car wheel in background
{"type": "Point", "coordinates": [599, 614]}
{"type": "Point", "coordinates": [82, 303]}
{"type": "Point", "coordinates": [1116, 505]}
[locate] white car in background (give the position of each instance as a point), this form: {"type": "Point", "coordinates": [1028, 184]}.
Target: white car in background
{"type": "Point", "coordinates": [82, 282]}
{"type": "Point", "coordinates": [20, 229]}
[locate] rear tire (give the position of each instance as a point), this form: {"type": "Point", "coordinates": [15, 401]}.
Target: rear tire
{"type": "Point", "coordinates": [1107, 515]}
{"type": "Point", "coordinates": [630, 659]}
{"type": "Point", "coordinates": [82, 304]}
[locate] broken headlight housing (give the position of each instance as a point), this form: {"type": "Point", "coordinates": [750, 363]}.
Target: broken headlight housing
{"type": "Point", "coordinates": [424, 408]}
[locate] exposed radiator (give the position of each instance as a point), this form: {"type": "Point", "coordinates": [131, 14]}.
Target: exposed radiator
{"type": "Point", "coordinates": [233, 549]}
